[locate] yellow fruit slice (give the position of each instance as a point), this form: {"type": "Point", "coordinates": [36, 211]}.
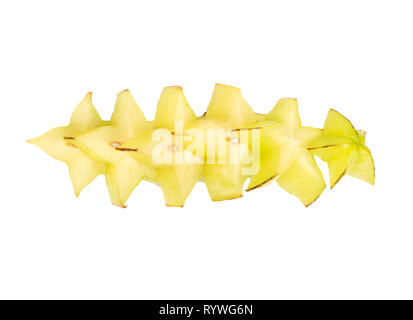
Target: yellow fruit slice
{"type": "Point", "coordinates": [225, 181]}
{"type": "Point", "coordinates": [163, 148]}
{"type": "Point", "coordinates": [338, 125]}
{"type": "Point", "coordinates": [284, 154]}
{"type": "Point", "coordinates": [342, 147]}
{"type": "Point", "coordinates": [58, 144]}
{"type": "Point", "coordinates": [123, 173]}
{"type": "Point", "coordinates": [363, 167]}
{"type": "Point", "coordinates": [303, 179]}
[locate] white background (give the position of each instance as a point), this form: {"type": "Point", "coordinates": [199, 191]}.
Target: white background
{"type": "Point", "coordinates": [353, 242]}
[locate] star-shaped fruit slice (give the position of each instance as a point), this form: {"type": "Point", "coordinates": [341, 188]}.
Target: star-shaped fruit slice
{"type": "Point", "coordinates": [227, 109]}
{"type": "Point", "coordinates": [284, 154]}
{"type": "Point", "coordinates": [58, 144]}
{"type": "Point", "coordinates": [177, 169]}
{"type": "Point", "coordinates": [123, 173]}
{"type": "Point", "coordinates": [342, 147]}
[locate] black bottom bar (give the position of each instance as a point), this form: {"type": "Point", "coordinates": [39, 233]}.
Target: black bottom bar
{"type": "Point", "coordinates": [202, 309]}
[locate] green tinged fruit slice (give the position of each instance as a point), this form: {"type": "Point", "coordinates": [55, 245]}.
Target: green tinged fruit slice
{"type": "Point", "coordinates": [363, 167]}
{"type": "Point", "coordinates": [123, 173]}
{"type": "Point", "coordinates": [340, 162]}
{"type": "Point", "coordinates": [342, 147]}
{"type": "Point", "coordinates": [58, 144]}
{"type": "Point", "coordinates": [284, 154]}
{"type": "Point", "coordinates": [269, 161]}
{"type": "Point", "coordinates": [338, 125]}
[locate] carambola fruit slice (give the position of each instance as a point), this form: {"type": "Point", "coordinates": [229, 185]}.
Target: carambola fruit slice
{"type": "Point", "coordinates": [225, 181]}
{"type": "Point", "coordinates": [285, 152]}
{"type": "Point", "coordinates": [58, 144]}
{"type": "Point", "coordinates": [342, 147]}
{"type": "Point", "coordinates": [176, 173]}
{"type": "Point", "coordinates": [122, 172]}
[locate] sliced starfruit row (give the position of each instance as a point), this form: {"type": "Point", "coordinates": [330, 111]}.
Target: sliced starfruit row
{"type": "Point", "coordinates": [167, 151]}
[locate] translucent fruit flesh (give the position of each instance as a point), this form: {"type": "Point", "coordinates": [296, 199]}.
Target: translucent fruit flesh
{"type": "Point", "coordinates": [228, 104]}
{"type": "Point", "coordinates": [175, 177]}
{"type": "Point", "coordinates": [58, 144]}
{"type": "Point", "coordinates": [225, 181]}
{"type": "Point", "coordinates": [284, 155]}
{"type": "Point", "coordinates": [122, 172]}
{"type": "Point", "coordinates": [342, 147]}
